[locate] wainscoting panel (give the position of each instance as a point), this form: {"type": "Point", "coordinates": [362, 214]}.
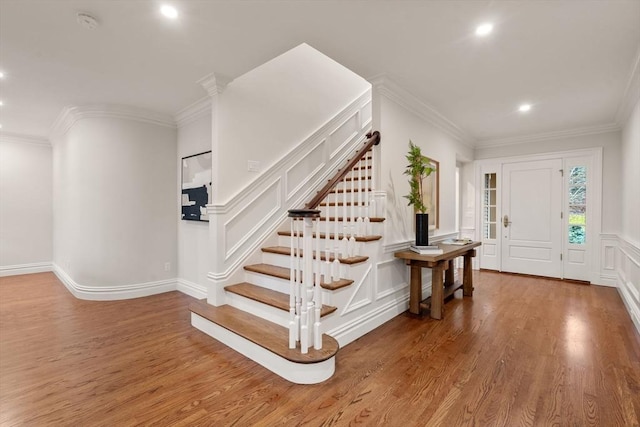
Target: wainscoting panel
{"type": "Point", "coordinates": [608, 248]}
{"type": "Point", "coordinates": [300, 174]}
{"type": "Point", "coordinates": [341, 137]}
{"type": "Point", "coordinates": [628, 266]}
{"type": "Point", "coordinates": [387, 271]}
{"type": "Point", "coordinates": [252, 216]}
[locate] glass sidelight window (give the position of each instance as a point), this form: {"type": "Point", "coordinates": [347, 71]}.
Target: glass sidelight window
{"type": "Point", "coordinates": [577, 205]}
{"type": "Point", "coordinates": [489, 206]}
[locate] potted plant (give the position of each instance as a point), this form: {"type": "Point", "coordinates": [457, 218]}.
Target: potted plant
{"type": "Point", "coordinates": [418, 169]}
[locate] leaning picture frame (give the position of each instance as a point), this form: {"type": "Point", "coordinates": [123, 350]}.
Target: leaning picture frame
{"type": "Point", "coordinates": [196, 186]}
{"type": "Point", "coordinates": [432, 195]}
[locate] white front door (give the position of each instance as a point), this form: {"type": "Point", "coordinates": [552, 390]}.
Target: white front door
{"type": "Point", "coordinates": [531, 223]}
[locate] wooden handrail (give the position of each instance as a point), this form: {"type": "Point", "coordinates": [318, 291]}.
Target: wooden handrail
{"type": "Point", "coordinates": [373, 138]}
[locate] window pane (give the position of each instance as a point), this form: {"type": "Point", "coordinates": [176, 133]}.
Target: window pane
{"type": "Point", "coordinates": [578, 176]}
{"type": "Point", "coordinates": [577, 234]}
{"type": "Point", "coordinates": [492, 214]}
{"type": "Point", "coordinates": [577, 195]}
{"type": "Point", "coordinates": [577, 215]}
{"type": "Point", "coordinates": [492, 231]}
{"type": "Point", "coordinates": [492, 197]}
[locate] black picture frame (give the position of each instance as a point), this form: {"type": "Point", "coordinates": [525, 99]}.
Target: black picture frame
{"type": "Point", "coordinates": [196, 186]}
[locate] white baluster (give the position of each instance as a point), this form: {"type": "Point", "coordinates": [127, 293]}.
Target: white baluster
{"type": "Point", "coordinates": [292, 288]}
{"type": "Point", "coordinates": [351, 247]}
{"type": "Point", "coordinates": [359, 223]}
{"type": "Point", "coordinates": [345, 239]}
{"type": "Point", "coordinates": [298, 278]}
{"type": "Point", "coordinates": [317, 296]}
{"type": "Point", "coordinates": [307, 284]}
{"type": "Point", "coordinates": [327, 250]}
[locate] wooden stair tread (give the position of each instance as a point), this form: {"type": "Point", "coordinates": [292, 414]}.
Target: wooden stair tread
{"type": "Point", "coordinates": [332, 218]}
{"type": "Point", "coordinates": [284, 250]}
{"type": "Point", "coordinates": [357, 178]}
{"type": "Point", "coordinates": [284, 273]}
{"type": "Point", "coordinates": [268, 335]}
{"type": "Point", "coordinates": [270, 297]}
{"type": "Point", "coordinates": [340, 236]}
{"type": "Point", "coordinates": [348, 190]}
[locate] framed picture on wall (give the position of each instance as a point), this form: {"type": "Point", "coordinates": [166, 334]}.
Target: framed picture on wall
{"type": "Point", "coordinates": [432, 195]}
{"type": "Point", "coordinates": [196, 186]}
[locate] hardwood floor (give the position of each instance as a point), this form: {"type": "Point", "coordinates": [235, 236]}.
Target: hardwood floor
{"type": "Point", "coordinates": [524, 351]}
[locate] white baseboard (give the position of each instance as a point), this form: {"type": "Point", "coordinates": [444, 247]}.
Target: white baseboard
{"type": "Point", "coordinates": [299, 373]}
{"type": "Point", "coordinates": [192, 289]}
{"type": "Point", "coordinates": [36, 267]}
{"type": "Point", "coordinates": [349, 332]}
{"type": "Point", "coordinates": [110, 293]}
{"type": "Point", "coordinates": [633, 306]}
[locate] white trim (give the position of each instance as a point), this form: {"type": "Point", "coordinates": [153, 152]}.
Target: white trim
{"type": "Point", "coordinates": [192, 289]}
{"type": "Point", "coordinates": [72, 114]}
{"type": "Point", "coordinates": [214, 83]}
{"type": "Point", "coordinates": [35, 267]}
{"type": "Point", "coordinates": [298, 373]}
{"type": "Point", "coordinates": [547, 136]}
{"type": "Point", "coordinates": [393, 91]}
{"type": "Point", "coordinates": [193, 112]}
{"type": "Point", "coordinates": [110, 293]}
{"type": "Point", "coordinates": [351, 331]}
{"type": "Point", "coordinates": [631, 92]}
{"type": "Point", "coordinates": [24, 139]}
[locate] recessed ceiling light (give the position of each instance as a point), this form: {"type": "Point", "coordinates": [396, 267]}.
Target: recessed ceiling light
{"type": "Point", "coordinates": [1, 75]}
{"type": "Point", "coordinates": [169, 11]}
{"type": "Point", "coordinates": [484, 29]}
{"type": "Point", "coordinates": [1, 103]}
{"type": "Point", "coordinates": [524, 108]}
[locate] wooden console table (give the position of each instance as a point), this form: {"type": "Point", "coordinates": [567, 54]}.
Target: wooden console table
{"type": "Point", "coordinates": [441, 265]}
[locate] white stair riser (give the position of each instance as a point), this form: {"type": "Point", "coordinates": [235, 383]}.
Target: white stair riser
{"type": "Point", "coordinates": [259, 309]}
{"type": "Point", "coordinates": [284, 261]}
{"type": "Point", "coordinates": [299, 373]}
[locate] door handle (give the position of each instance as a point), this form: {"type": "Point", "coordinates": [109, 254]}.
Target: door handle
{"type": "Point", "coordinates": [506, 221]}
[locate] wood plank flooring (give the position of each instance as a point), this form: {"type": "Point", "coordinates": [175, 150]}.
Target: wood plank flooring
{"type": "Point", "coordinates": [523, 352]}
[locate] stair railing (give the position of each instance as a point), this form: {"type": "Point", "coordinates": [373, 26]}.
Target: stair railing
{"type": "Point", "coordinates": [308, 271]}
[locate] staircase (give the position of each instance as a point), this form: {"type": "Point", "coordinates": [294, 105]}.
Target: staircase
{"type": "Point", "coordinates": [284, 313]}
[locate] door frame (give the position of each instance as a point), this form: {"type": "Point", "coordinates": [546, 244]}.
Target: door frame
{"type": "Point", "coordinates": [594, 229]}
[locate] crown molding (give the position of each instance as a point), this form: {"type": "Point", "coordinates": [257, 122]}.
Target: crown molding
{"type": "Point", "coordinates": [384, 85]}
{"type": "Point", "coordinates": [631, 93]}
{"type": "Point", "coordinates": [24, 139]}
{"type": "Point", "coordinates": [214, 83]}
{"type": "Point", "coordinates": [193, 112]}
{"type": "Point", "coordinates": [547, 136]}
{"type": "Point", "coordinates": [71, 114]}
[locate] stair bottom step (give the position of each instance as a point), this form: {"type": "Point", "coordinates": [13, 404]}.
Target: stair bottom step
{"type": "Point", "coordinates": [265, 343]}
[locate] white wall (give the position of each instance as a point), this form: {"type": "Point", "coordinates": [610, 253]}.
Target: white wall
{"type": "Point", "coordinates": [25, 207]}
{"type": "Point", "coordinates": [630, 187]}
{"type": "Point", "coordinates": [266, 113]}
{"type": "Point", "coordinates": [193, 236]}
{"type": "Point", "coordinates": [627, 256]}
{"type": "Point", "coordinates": [115, 208]}
{"type": "Point", "coordinates": [398, 125]}
{"type": "Point", "coordinates": [611, 158]}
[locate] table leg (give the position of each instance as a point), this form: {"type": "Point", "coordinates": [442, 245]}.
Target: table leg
{"type": "Point", "coordinates": [437, 290]}
{"type": "Point", "coordinates": [415, 289]}
{"type": "Point", "coordinates": [467, 283]}
{"type": "Point", "coordinates": [448, 274]}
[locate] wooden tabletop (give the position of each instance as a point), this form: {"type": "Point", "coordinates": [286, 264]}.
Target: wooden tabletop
{"type": "Point", "coordinates": [449, 252]}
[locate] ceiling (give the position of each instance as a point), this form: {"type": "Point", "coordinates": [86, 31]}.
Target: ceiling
{"type": "Point", "coordinates": [572, 60]}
